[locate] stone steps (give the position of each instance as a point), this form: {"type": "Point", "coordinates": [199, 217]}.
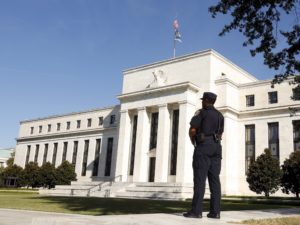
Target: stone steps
{"type": "Point", "coordinates": [168, 191]}
{"type": "Point", "coordinates": [153, 195]}
{"type": "Point", "coordinates": [141, 190]}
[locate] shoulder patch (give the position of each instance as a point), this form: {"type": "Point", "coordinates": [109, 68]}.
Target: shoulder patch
{"type": "Point", "coordinates": [197, 112]}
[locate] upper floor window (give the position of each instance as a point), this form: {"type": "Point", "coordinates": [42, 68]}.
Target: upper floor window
{"type": "Point", "coordinates": [49, 127]}
{"type": "Point", "coordinates": [249, 100]}
{"type": "Point", "coordinates": [273, 97]}
{"type": "Point", "coordinates": [89, 122]}
{"type": "Point", "coordinates": [40, 129]}
{"type": "Point", "coordinates": [78, 123]}
{"type": "Point", "coordinates": [100, 120]}
{"type": "Point", "coordinates": [296, 93]}
{"type": "Point", "coordinates": [31, 130]}
{"type": "Point", "coordinates": [68, 125]}
{"type": "Point", "coordinates": [58, 126]}
{"type": "Point", "coordinates": [112, 119]}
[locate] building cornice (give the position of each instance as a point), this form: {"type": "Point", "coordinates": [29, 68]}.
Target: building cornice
{"type": "Point", "coordinates": [168, 61]}
{"type": "Point", "coordinates": [258, 112]}
{"type": "Point", "coordinates": [65, 134]}
{"type": "Point", "coordinates": [229, 109]}
{"type": "Point", "coordinates": [276, 109]}
{"type": "Point", "coordinates": [261, 83]}
{"type": "Point", "coordinates": [184, 85]}
{"type": "Point", "coordinates": [226, 81]}
{"type": "Point", "coordinates": [188, 57]}
{"type": "Point", "coordinates": [69, 114]}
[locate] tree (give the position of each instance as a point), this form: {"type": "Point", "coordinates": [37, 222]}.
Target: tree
{"type": "Point", "coordinates": [264, 174]}
{"type": "Point", "coordinates": [48, 175]}
{"type": "Point", "coordinates": [31, 175]}
{"type": "Point", "coordinates": [65, 173]}
{"type": "Point", "coordinates": [290, 181]}
{"type": "Point", "coordinates": [259, 22]}
{"type": "Point", "coordinates": [10, 160]}
{"type": "Point", "coordinates": [1, 176]}
{"type": "Point", "coordinates": [13, 172]}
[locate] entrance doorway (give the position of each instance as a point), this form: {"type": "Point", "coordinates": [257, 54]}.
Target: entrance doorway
{"type": "Point", "coordinates": [152, 169]}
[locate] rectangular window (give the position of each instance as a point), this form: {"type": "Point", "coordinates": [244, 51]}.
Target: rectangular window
{"type": "Point", "coordinates": [273, 97]}
{"type": "Point", "coordinates": [40, 129]}
{"type": "Point", "coordinates": [108, 156]}
{"type": "Point", "coordinates": [85, 157]}
{"type": "Point", "coordinates": [296, 134]}
{"type": "Point", "coordinates": [45, 153]}
{"type": "Point", "coordinates": [249, 100]}
{"type": "Point", "coordinates": [49, 127]}
{"type": "Point", "coordinates": [37, 148]}
{"type": "Point", "coordinates": [78, 123]}
{"type": "Point", "coordinates": [68, 125]}
{"type": "Point", "coordinates": [89, 122]}
{"type": "Point", "coordinates": [153, 133]}
{"type": "Point", "coordinates": [27, 154]}
{"type": "Point", "coordinates": [100, 120]}
{"type": "Point", "coordinates": [75, 148]}
{"type": "Point", "coordinates": [174, 143]}
{"type": "Point", "coordinates": [54, 154]}
{"type": "Point", "coordinates": [249, 145]}
{"type": "Point", "coordinates": [296, 93]}
{"type": "Point", "coordinates": [112, 119]}
{"type": "Point", "coordinates": [31, 130]}
{"type": "Point", "coordinates": [133, 143]}
{"type": "Point", "coordinates": [58, 126]}
{"type": "Point", "coordinates": [97, 156]}
{"type": "Point", "coordinates": [64, 156]}
{"type": "Point", "coordinates": [274, 139]}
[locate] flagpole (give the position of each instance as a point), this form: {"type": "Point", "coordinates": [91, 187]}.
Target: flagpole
{"type": "Point", "coordinates": [174, 48]}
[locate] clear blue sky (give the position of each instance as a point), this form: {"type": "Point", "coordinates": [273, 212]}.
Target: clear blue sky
{"type": "Point", "coordinates": [61, 56]}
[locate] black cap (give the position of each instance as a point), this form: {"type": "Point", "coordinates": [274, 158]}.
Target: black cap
{"type": "Point", "coordinates": [209, 96]}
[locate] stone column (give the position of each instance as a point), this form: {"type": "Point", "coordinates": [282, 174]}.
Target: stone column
{"type": "Point", "coordinates": [50, 152]}
{"type": "Point", "coordinates": [123, 146]}
{"type": "Point", "coordinates": [163, 144]}
{"type": "Point", "coordinates": [70, 150]}
{"type": "Point", "coordinates": [141, 162]}
{"type": "Point", "coordinates": [102, 160]}
{"type": "Point", "coordinates": [91, 157]}
{"type": "Point", "coordinates": [59, 153]}
{"type": "Point", "coordinates": [41, 154]}
{"type": "Point", "coordinates": [184, 173]}
{"type": "Point", "coordinates": [80, 150]}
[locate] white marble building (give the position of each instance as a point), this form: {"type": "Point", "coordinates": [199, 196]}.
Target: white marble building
{"type": "Point", "coordinates": [145, 138]}
{"type": "Point", "coordinates": [5, 154]}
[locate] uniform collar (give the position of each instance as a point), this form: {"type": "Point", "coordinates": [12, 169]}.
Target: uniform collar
{"type": "Point", "coordinates": [209, 107]}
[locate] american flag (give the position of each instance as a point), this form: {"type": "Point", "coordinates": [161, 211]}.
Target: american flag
{"type": "Point", "coordinates": [177, 35]}
{"type": "Point", "coordinates": [175, 25]}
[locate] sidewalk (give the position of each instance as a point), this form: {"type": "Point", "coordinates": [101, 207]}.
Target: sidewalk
{"type": "Point", "coordinates": [23, 217]}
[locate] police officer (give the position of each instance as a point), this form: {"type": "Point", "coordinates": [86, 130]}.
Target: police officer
{"type": "Point", "coordinates": [205, 132]}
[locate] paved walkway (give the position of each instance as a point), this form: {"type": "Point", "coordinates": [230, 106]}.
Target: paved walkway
{"type": "Point", "coordinates": [24, 217]}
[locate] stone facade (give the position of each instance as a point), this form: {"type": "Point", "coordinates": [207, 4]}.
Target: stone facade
{"type": "Point", "coordinates": [149, 136]}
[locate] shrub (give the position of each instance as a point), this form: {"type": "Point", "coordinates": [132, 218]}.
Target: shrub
{"type": "Point", "coordinates": [65, 173]}
{"type": "Point", "coordinates": [48, 175]}
{"type": "Point", "coordinates": [290, 181]}
{"type": "Point", "coordinates": [31, 175]}
{"type": "Point", "coordinates": [15, 172]}
{"type": "Point", "coordinates": [264, 174]}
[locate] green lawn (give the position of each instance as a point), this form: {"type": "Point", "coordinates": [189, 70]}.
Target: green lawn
{"type": "Point", "coordinates": [109, 206]}
{"type": "Point", "coordinates": [277, 221]}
